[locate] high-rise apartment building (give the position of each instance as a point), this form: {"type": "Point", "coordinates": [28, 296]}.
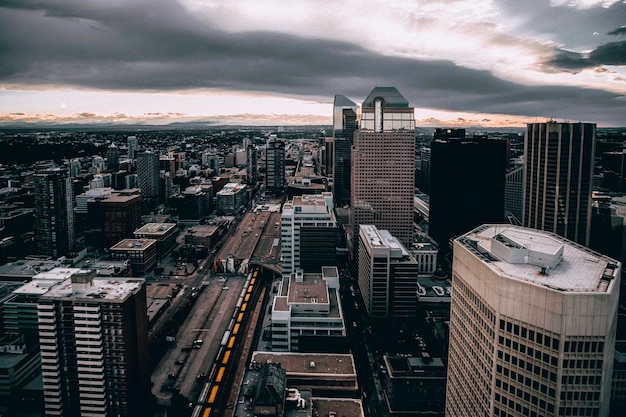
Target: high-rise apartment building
{"type": "Point", "coordinates": [275, 180]}
{"type": "Point", "coordinates": [308, 233]}
{"type": "Point", "coordinates": [532, 325]}
{"type": "Point", "coordinates": [559, 172]}
{"type": "Point", "coordinates": [467, 181]}
{"type": "Point", "coordinates": [133, 146]}
{"type": "Point", "coordinates": [93, 335]}
{"type": "Point", "coordinates": [344, 125]}
{"type": "Point", "coordinates": [251, 164]}
{"type": "Point", "coordinates": [387, 274]}
{"type": "Point", "coordinates": [149, 180]}
{"type": "Point", "coordinates": [113, 158]}
{"type": "Point", "coordinates": [54, 219]}
{"type": "Point", "coordinates": [383, 165]}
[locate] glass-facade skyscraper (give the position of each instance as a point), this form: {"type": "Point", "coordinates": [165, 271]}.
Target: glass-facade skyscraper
{"type": "Point", "coordinates": [344, 125]}
{"type": "Point", "coordinates": [54, 220]}
{"type": "Point", "coordinates": [559, 161]}
{"type": "Point", "coordinates": [383, 165]}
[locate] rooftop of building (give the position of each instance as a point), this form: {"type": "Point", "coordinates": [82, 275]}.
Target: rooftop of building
{"type": "Point", "coordinates": [231, 188]}
{"type": "Point", "coordinates": [339, 406]}
{"type": "Point", "coordinates": [121, 198]}
{"type": "Point", "coordinates": [24, 269]}
{"type": "Point", "coordinates": [309, 363]}
{"type": "Point", "coordinates": [310, 204]}
{"type": "Point", "coordinates": [390, 95]}
{"type": "Point", "coordinates": [343, 101]}
{"type": "Point", "coordinates": [330, 271]}
{"type": "Point", "coordinates": [99, 288]}
{"type": "Point", "coordinates": [541, 258]}
{"type": "Point", "coordinates": [311, 290]}
{"type": "Point", "coordinates": [414, 365]}
{"type": "Point", "coordinates": [156, 228]}
{"type": "Point", "coordinates": [202, 230]}
{"type": "Point", "coordinates": [383, 239]}
{"type": "Point", "coordinates": [133, 244]}
{"type": "Point", "coordinates": [423, 242]}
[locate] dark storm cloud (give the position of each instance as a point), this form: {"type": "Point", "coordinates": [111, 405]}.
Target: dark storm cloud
{"type": "Point", "coordinates": [158, 45]}
{"type": "Point", "coordinates": [612, 53]}
{"type": "Point", "coordinates": [618, 31]}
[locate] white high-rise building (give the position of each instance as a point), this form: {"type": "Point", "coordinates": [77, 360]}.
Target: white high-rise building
{"type": "Point", "coordinates": [133, 146]}
{"type": "Point", "coordinates": [308, 219]}
{"type": "Point", "coordinates": [532, 325]}
{"type": "Point", "coordinates": [93, 334]}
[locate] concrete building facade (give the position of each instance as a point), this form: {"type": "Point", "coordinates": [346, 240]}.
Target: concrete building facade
{"type": "Point", "coordinates": [307, 312]}
{"type": "Point", "coordinates": [93, 336]}
{"type": "Point", "coordinates": [387, 274]}
{"type": "Point", "coordinates": [308, 221]}
{"type": "Point", "coordinates": [532, 325]}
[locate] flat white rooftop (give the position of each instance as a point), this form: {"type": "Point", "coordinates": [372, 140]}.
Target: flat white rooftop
{"type": "Point", "coordinates": [155, 228]}
{"type": "Point", "coordinates": [574, 267]}
{"type": "Point", "coordinates": [103, 289]}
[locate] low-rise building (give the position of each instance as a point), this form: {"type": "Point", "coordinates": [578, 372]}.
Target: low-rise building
{"type": "Point", "coordinates": [205, 234]}
{"type": "Point", "coordinates": [414, 385]}
{"type": "Point", "coordinates": [142, 254]}
{"type": "Point", "coordinates": [164, 233]}
{"type": "Point", "coordinates": [307, 314]}
{"type": "Point", "coordinates": [324, 374]}
{"type": "Point", "coordinates": [231, 198]}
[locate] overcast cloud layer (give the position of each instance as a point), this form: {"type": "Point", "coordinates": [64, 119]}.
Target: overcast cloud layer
{"type": "Point", "coordinates": [509, 58]}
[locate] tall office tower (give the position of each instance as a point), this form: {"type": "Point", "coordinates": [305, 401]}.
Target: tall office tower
{"type": "Point", "coordinates": [54, 220]}
{"type": "Point", "coordinates": [308, 233]}
{"type": "Point", "coordinates": [149, 180]}
{"type": "Point", "coordinates": [383, 165]}
{"type": "Point", "coordinates": [532, 325]}
{"type": "Point", "coordinates": [133, 146]}
{"type": "Point", "coordinates": [275, 180]}
{"type": "Point", "coordinates": [467, 178]}
{"type": "Point", "coordinates": [93, 334]}
{"type": "Point", "coordinates": [251, 164]}
{"type": "Point", "coordinates": [344, 125]}
{"type": "Point", "coordinates": [113, 158]}
{"type": "Point", "coordinates": [387, 274]}
{"type": "Point", "coordinates": [558, 182]}
{"type": "Point", "coordinates": [514, 193]}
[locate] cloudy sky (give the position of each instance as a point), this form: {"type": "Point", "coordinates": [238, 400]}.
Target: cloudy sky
{"type": "Point", "coordinates": [458, 62]}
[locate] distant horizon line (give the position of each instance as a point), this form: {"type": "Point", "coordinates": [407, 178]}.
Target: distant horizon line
{"type": "Point", "coordinates": [215, 125]}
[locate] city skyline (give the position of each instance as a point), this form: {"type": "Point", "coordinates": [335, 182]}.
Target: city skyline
{"type": "Point", "coordinates": [488, 63]}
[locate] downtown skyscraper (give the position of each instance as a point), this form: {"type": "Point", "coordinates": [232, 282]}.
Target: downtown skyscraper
{"type": "Point", "coordinates": [149, 180]}
{"type": "Point", "coordinates": [383, 165]}
{"type": "Point", "coordinates": [275, 180]}
{"type": "Point", "coordinates": [54, 220]}
{"type": "Point", "coordinates": [559, 160]}
{"type": "Point", "coordinates": [533, 321]}
{"type": "Point", "coordinates": [344, 125]}
{"type": "Point", "coordinates": [467, 182]}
